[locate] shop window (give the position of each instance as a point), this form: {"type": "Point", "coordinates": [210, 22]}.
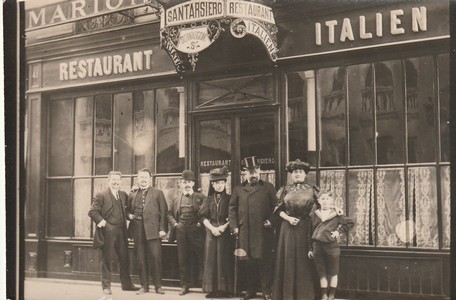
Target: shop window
{"type": "Point", "coordinates": [60, 208]}
{"type": "Point", "coordinates": [446, 205]}
{"type": "Point", "coordinates": [444, 97]}
{"type": "Point", "coordinates": [109, 132]}
{"type": "Point", "coordinates": [301, 116]}
{"type": "Point", "coordinates": [239, 90]}
{"type": "Point", "coordinates": [361, 207]}
{"type": "Point", "coordinates": [332, 100]}
{"type": "Point", "coordinates": [143, 130]}
{"type": "Point", "coordinates": [103, 134]}
{"type": "Point", "coordinates": [257, 139]}
{"type": "Point", "coordinates": [168, 152]}
{"type": "Point", "coordinates": [83, 136]}
{"type": "Point", "coordinates": [82, 194]}
{"type": "Point", "coordinates": [215, 149]}
{"type": "Point", "coordinates": [389, 112]}
{"type": "Point", "coordinates": [422, 207]}
{"type": "Point", "coordinates": [61, 128]}
{"type": "Point", "coordinates": [392, 121]}
{"type": "Point", "coordinates": [419, 74]}
{"type": "Point", "coordinates": [361, 121]}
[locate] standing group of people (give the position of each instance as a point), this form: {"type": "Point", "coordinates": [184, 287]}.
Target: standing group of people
{"type": "Point", "coordinates": [284, 240]}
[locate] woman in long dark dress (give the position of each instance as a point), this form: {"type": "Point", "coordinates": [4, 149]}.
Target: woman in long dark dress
{"type": "Point", "coordinates": [294, 277]}
{"type": "Point", "coordinates": [219, 245]}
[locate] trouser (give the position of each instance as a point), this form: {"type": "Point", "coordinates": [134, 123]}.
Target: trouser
{"type": "Point", "coordinates": [189, 246]}
{"type": "Point", "coordinates": [259, 269]}
{"type": "Point", "coordinates": [115, 241]}
{"type": "Point", "coordinates": [148, 253]}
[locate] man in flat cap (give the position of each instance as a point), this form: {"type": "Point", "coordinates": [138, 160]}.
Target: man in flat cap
{"type": "Point", "coordinates": [251, 206]}
{"type": "Point", "coordinates": [184, 219]}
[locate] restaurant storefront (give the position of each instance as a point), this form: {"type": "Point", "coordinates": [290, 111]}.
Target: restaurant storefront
{"type": "Point", "coordinates": [361, 91]}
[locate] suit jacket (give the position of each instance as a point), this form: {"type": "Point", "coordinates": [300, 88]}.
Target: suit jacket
{"type": "Point", "coordinates": [154, 213]}
{"type": "Point", "coordinates": [101, 209]}
{"type": "Point", "coordinates": [249, 208]}
{"type": "Point", "coordinates": [174, 210]}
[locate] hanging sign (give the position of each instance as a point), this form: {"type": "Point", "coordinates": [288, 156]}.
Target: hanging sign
{"type": "Point", "coordinates": [190, 27]}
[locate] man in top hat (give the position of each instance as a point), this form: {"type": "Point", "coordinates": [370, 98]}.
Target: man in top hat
{"type": "Point", "coordinates": [108, 214]}
{"type": "Point", "coordinates": [251, 206]}
{"type": "Point", "coordinates": [146, 210]}
{"type": "Point", "coordinates": [184, 219]}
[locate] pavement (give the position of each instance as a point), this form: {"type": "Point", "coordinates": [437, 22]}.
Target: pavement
{"type": "Point", "coordinates": [60, 289]}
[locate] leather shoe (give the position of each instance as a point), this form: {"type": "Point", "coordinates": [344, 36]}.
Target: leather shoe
{"type": "Point", "coordinates": [159, 291]}
{"type": "Point", "coordinates": [130, 288]}
{"type": "Point", "coordinates": [142, 291]}
{"type": "Point", "coordinates": [248, 296]}
{"type": "Point", "coordinates": [107, 291]}
{"type": "Point", "coordinates": [183, 291]}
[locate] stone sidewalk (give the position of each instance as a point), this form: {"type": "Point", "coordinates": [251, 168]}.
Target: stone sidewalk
{"type": "Point", "coordinates": [50, 289]}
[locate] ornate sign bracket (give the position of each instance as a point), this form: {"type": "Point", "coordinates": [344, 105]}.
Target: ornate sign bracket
{"type": "Point", "coordinates": [191, 27]}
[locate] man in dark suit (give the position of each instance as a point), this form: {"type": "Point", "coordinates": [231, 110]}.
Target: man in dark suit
{"type": "Point", "coordinates": [146, 208]}
{"type": "Point", "coordinates": [108, 213]}
{"type": "Point", "coordinates": [251, 206]}
{"type": "Point", "coordinates": [184, 219]}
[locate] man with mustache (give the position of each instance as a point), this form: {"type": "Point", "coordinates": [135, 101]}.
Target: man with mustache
{"type": "Point", "coordinates": [184, 219]}
{"type": "Point", "coordinates": [146, 210]}
{"type": "Point", "coordinates": [251, 206]}
{"type": "Point", "coordinates": [108, 214]}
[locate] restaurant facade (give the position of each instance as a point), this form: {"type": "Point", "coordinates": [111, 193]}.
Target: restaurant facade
{"type": "Point", "coordinates": [360, 90]}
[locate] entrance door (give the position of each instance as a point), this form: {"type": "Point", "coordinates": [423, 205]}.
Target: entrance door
{"type": "Point", "coordinates": [225, 140]}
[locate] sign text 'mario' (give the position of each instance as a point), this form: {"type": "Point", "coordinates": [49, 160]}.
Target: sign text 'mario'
{"type": "Point", "coordinates": [68, 11]}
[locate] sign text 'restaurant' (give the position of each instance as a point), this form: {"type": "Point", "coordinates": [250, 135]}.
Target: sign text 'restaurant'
{"type": "Point", "coordinates": [106, 65]}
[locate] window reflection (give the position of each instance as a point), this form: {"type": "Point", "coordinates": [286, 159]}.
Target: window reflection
{"type": "Point", "coordinates": [61, 128]}
{"type": "Point", "coordinates": [419, 74]}
{"type": "Point", "coordinates": [235, 90]}
{"type": "Point", "coordinates": [444, 97]}
{"type": "Point", "coordinates": [389, 106]}
{"type": "Point", "coordinates": [332, 101]}
{"type": "Point", "coordinates": [82, 200]}
{"type": "Point", "coordinates": [301, 116]}
{"type": "Point", "coordinates": [143, 130]}
{"type": "Point", "coordinates": [360, 94]}
{"type": "Point", "coordinates": [103, 134]}
{"type": "Point", "coordinates": [168, 160]}
{"type": "Point", "coordinates": [83, 140]}
{"type": "Point", "coordinates": [123, 132]}
{"type": "Point", "coordinates": [60, 208]}
{"type": "Point", "coordinates": [257, 139]}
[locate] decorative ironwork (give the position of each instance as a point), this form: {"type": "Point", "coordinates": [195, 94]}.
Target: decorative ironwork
{"type": "Point", "coordinates": [105, 21]}
{"type": "Point", "coordinates": [185, 28]}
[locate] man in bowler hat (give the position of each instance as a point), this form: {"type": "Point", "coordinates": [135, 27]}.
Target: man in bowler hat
{"type": "Point", "coordinates": [184, 219]}
{"type": "Point", "coordinates": [108, 213]}
{"type": "Point", "coordinates": [146, 210]}
{"type": "Point", "coordinates": [251, 206]}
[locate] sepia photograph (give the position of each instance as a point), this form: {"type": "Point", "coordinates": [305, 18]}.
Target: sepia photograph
{"type": "Point", "coordinates": [232, 149]}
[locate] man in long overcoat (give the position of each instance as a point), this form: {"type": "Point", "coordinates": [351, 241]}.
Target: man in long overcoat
{"type": "Point", "coordinates": [250, 210]}
{"type": "Point", "coordinates": [108, 214]}
{"type": "Point", "coordinates": [146, 210]}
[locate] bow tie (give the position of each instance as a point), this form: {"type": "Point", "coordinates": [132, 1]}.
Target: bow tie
{"type": "Point", "coordinates": [187, 195]}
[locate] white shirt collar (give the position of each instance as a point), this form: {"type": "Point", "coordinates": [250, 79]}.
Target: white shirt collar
{"type": "Point", "coordinates": [114, 192]}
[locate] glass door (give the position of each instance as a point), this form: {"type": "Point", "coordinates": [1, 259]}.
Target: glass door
{"type": "Point", "coordinates": [225, 140]}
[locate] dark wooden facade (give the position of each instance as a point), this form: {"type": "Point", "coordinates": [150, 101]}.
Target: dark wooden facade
{"type": "Point", "coordinates": [371, 270]}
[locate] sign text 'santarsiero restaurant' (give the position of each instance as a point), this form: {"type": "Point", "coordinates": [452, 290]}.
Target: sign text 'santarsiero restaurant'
{"type": "Point", "coordinates": [358, 90]}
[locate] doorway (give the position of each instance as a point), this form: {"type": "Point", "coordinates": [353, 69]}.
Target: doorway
{"type": "Point", "coordinates": [224, 140]}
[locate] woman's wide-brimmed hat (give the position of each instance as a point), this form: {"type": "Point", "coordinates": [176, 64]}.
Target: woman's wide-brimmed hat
{"type": "Point", "coordinates": [298, 164]}
{"type": "Point", "coordinates": [218, 174]}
